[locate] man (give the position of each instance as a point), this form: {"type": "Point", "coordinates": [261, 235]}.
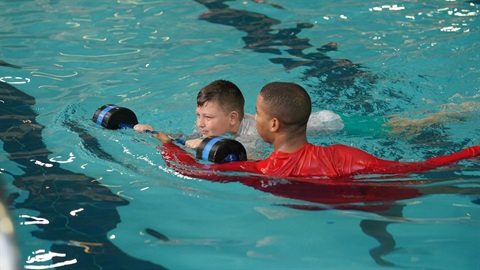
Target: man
{"type": "Point", "coordinates": [282, 113]}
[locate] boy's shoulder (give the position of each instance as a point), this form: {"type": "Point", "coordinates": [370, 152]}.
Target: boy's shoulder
{"type": "Point", "coordinates": [247, 126]}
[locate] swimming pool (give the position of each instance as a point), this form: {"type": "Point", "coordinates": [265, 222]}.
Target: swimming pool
{"type": "Point", "coordinates": [83, 197]}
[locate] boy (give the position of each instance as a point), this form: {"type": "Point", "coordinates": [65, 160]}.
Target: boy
{"type": "Point", "coordinates": [281, 120]}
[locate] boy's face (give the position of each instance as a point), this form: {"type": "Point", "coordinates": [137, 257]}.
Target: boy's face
{"type": "Point", "coordinates": [212, 120]}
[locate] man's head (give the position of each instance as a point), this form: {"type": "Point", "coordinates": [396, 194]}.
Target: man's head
{"type": "Point", "coordinates": [282, 106]}
{"type": "Point", "coordinates": [219, 108]}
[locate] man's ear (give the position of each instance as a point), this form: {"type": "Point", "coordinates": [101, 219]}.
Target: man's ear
{"type": "Point", "coordinates": [274, 124]}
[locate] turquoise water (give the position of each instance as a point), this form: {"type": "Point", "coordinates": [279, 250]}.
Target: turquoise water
{"type": "Point", "coordinates": [83, 197]}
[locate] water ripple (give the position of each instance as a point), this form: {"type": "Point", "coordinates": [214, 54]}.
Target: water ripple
{"type": "Point", "coordinates": [101, 55]}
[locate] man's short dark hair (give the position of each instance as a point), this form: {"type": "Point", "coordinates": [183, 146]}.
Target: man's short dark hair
{"type": "Point", "coordinates": [288, 102]}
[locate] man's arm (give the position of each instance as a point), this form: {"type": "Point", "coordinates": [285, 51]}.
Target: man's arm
{"type": "Point", "coordinates": [184, 162]}
{"type": "Point", "coordinates": [352, 160]}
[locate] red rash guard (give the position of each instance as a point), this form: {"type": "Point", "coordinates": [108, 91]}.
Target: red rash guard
{"type": "Point", "coordinates": [312, 161]}
{"type": "Point", "coordinates": [313, 173]}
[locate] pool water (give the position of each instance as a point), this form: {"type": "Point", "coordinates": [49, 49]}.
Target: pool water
{"type": "Point", "coordinates": [83, 197]}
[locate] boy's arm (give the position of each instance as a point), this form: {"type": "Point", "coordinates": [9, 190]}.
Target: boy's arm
{"type": "Point", "coordinates": [143, 127]}
{"type": "Point", "coordinates": [162, 137]}
{"type": "Point", "coordinates": [193, 144]}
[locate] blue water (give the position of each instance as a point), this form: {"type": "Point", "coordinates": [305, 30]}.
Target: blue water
{"type": "Point", "coordinates": [82, 197]}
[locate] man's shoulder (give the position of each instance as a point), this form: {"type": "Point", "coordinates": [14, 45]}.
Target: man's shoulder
{"type": "Point", "coordinates": [332, 149]}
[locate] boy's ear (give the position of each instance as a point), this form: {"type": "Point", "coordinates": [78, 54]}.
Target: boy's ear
{"type": "Point", "coordinates": [234, 117]}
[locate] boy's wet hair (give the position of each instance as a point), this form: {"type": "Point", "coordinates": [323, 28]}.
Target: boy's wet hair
{"type": "Point", "coordinates": [225, 93]}
{"type": "Point", "coordinates": [288, 102]}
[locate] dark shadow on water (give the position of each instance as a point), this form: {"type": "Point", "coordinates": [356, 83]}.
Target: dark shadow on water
{"type": "Point", "coordinates": [331, 80]}
{"type": "Point", "coordinates": [54, 192]}
{"type": "Point", "coordinates": [378, 230]}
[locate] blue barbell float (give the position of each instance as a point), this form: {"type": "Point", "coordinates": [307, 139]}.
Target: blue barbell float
{"type": "Point", "coordinates": [213, 149]}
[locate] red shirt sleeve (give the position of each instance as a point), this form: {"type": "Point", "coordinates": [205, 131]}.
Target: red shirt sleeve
{"type": "Point", "coordinates": [341, 160]}
{"type": "Point", "coordinates": [392, 167]}
{"type": "Point", "coordinates": [184, 162]}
